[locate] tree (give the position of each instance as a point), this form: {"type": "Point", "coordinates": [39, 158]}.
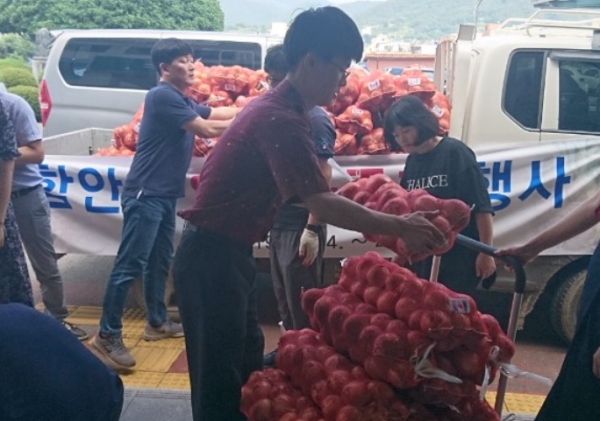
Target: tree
{"type": "Point", "coordinates": [27, 16]}
{"type": "Point", "coordinates": [16, 46]}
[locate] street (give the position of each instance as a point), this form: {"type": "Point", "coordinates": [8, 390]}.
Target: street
{"type": "Point", "coordinates": [85, 277]}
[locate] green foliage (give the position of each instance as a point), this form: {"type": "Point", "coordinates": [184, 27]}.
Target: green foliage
{"type": "Point", "coordinates": [17, 77]}
{"type": "Point", "coordinates": [31, 95]}
{"type": "Point", "coordinates": [14, 63]}
{"type": "Point", "coordinates": [16, 46]}
{"type": "Point", "coordinates": [28, 16]}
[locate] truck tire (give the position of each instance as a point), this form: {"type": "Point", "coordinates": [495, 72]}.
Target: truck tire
{"type": "Point", "coordinates": [137, 290]}
{"type": "Point", "coordinates": [565, 303]}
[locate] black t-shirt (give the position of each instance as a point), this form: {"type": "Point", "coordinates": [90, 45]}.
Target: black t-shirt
{"type": "Point", "coordinates": [323, 133]}
{"type": "Point", "coordinates": [450, 171]}
{"type": "Point", "coordinates": [47, 374]}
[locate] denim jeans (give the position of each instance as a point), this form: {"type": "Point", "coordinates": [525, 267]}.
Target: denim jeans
{"type": "Point", "coordinates": [146, 249]}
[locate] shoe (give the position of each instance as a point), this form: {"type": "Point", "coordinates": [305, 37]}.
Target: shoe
{"type": "Point", "coordinates": [113, 349]}
{"type": "Point", "coordinates": [168, 329]}
{"type": "Point", "coordinates": [269, 359]}
{"type": "Point", "coordinates": [79, 333]}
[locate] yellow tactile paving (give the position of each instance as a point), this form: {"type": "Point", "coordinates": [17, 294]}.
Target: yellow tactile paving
{"type": "Point", "coordinates": [154, 359]}
{"type": "Point", "coordinates": [518, 403]}
{"type": "Point", "coordinates": [177, 381]}
{"type": "Point", "coordinates": [142, 379]}
{"type": "Point", "coordinates": [170, 343]}
{"type": "Point", "coordinates": [86, 315]}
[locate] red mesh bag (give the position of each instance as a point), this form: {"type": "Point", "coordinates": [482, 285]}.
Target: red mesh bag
{"type": "Point", "coordinates": [377, 91]}
{"type": "Point", "coordinates": [373, 143]}
{"type": "Point", "coordinates": [440, 106]}
{"type": "Point", "coordinates": [347, 95]}
{"type": "Point", "coordinates": [355, 121]}
{"type": "Point", "coordinates": [234, 79]}
{"type": "Point", "coordinates": [417, 83]}
{"type": "Point", "coordinates": [219, 98]}
{"type": "Point", "coordinates": [345, 144]}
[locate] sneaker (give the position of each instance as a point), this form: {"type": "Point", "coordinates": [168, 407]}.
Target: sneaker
{"type": "Point", "coordinates": [79, 333]}
{"type": "Point", "coordinates": [113, 349]}
{"type": "Point", "coordinates": [269, 359]}
{"type": "Point", "coordinates": [168, 329]}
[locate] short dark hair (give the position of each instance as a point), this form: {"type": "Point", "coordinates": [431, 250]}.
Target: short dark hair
{"type": "Point", "coordinates": [410, 111]}
{"type": "Point", "coordinates": [168, 49]}
{"type": "Point", "coordinates": [326, 32]}
{"type": "Point", "coordinates": [275, 60]}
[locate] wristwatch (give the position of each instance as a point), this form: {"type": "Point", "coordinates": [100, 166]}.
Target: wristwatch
{"type": "Point", "coordinates": [314, 228]}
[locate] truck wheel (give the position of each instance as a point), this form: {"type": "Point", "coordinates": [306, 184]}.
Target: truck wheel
{"type": "Point", "coordinates": [565, 303]}
{"type": "Point", "coordinates": [137, 290]}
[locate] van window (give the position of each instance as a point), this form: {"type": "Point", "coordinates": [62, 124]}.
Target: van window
{"type": "Point", "coordinates": [125, 63]}
{"type": "Point", "coordinates": [579, 85]}
{"type": "Point", "coordinates": [522, 93]}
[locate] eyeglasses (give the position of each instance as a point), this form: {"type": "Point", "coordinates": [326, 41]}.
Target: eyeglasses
{"type": "Point", "coordinates": [345, 73]}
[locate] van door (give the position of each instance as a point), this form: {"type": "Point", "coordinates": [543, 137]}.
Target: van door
{"type": "Point", "coordinates": [571, 95]}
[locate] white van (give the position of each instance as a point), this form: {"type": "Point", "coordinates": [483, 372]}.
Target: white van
{"type": "Point", "coordinates": [98, 78]}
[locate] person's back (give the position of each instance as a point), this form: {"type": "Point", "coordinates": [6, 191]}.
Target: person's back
{"type": "Point", "coordinates": [48, 375]}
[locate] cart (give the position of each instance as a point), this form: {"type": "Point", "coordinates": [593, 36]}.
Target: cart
{"type": "Point", "coordinates": [520, 280]}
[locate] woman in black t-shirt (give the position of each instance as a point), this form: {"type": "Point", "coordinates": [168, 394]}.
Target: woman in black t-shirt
{"type": "Point", "coordinates": [447, 169]}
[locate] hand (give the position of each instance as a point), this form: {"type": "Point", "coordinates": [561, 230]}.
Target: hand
{"type": "Point", "coordinates": [523, 253]}
{"type": "Point", "coordinates": [419, 235]}
{"type": "Point", "coordinates": [596, 363]}
{"type": "Point", "coordinates": [309, 247]}
{"type": "Point", "coordinates": [485, 266]}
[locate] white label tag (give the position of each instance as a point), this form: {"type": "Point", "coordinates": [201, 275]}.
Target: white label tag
{"type": "Point", "coordinates": [229, 87]}
{"type": "Point", "coordinates": [357, 111]}
{"type": "Point", "coordinates": [371, 86]}
{"type": "Point", "coordinates": [414, 81]}
{"type": "Point", "coordinates": [459, 305]}
{"type": "Point", "coordinates": [439, 112]}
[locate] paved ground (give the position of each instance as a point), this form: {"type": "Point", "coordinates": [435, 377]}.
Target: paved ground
{"type": "Point", "coordinates": [160, 385]}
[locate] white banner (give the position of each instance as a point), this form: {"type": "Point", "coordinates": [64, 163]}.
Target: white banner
{"type": "Point", "coordinates": [532, 187]}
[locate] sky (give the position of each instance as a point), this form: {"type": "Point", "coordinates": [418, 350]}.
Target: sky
{"type": "Point", "coordinates": [349, 1]}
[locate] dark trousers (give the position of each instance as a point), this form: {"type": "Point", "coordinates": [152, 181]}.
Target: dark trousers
{"type": "Point", "coordinates": [216, 294]}
{"type": "Point", "coordinates": [290, 276]}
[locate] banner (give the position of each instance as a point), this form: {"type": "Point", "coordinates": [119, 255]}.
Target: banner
{"type": "Point", "coordinates": [532, 186]}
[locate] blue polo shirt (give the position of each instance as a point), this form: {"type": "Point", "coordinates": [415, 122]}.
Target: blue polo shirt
{"type": "Point", "coordinates": [164, 149]}
{"type": "Point", "coordinates": [27, 131]}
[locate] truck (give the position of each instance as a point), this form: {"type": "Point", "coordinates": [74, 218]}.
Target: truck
{"type": "Point", "coordinates": [524, 99]}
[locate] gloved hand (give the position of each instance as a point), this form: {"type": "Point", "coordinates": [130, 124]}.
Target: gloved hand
{"type": "Point", "coordinates": [309, 247]}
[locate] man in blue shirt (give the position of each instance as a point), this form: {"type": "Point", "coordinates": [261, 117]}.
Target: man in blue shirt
{"type": "Point", "coordinates": [155, 181]}
{"type": "Point", "coordinates": [32, 209]}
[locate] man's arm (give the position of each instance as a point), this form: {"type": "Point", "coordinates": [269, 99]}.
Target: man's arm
{"type": "Point", "coordinates": [207, 128]}
{"type": "Point", "coordinates": [416, 231]}
{"type": "Point", "coordinates": [223, 113]}
{"type": "Point", "coordinates": [6, 172]}
{"type": "Point", "coordinates": [577, 221]}
{"type": "Point", "coordinates": [32, 153]}
{"type": "Point", "coordinates": [485, 265]}
{"type": "Point", "coordinates": [327, 173]}
{"type": "Point", "coordinates": [27, 132]}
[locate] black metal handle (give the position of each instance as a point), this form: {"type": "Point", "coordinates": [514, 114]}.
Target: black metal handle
{"type": "Point", "coordinates": [511, 261]}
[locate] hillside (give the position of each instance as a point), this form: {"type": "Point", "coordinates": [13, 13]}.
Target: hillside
{"type": "Point", "coordinates": [425, 19]}
{"type": "Point", "coordinates": [430, 19]}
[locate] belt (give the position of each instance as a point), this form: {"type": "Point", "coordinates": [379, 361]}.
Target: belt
{"type": "Point", "coordinates": [20, 193]}
{"type": "Point", "coordinates": [190, 227]}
